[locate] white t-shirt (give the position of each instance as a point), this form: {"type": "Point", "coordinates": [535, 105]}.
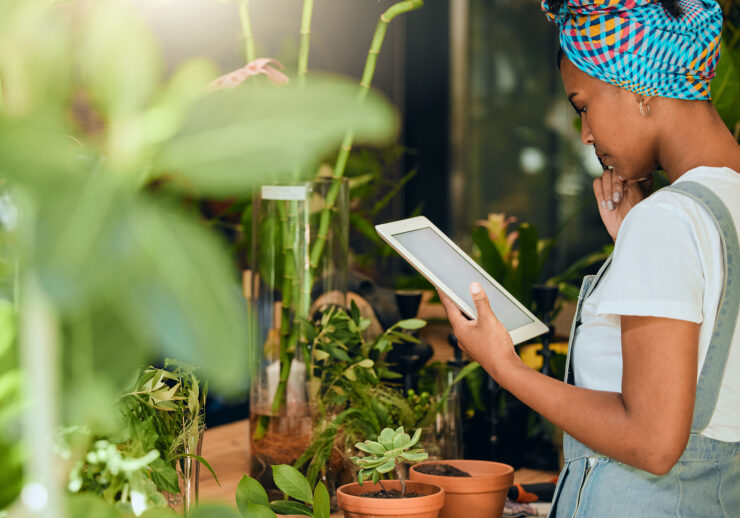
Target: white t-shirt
{"type": "Point", "coordinates": [667, 262]}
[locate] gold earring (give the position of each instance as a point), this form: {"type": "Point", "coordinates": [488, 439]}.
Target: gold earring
{"type": "Point", "coordinates": [644, 110]}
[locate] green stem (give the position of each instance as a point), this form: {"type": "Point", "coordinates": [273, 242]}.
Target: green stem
{"type": "Point", "coordinates": [305, 41]}
{"type": "Point", "coordinates": [247, 30]}
{"type": "Point", "coordinates": [289, 329]}
{"type": "Point", "coordinates": [40, 346]}
{"type": "Point", "coordinates": [367, 79]}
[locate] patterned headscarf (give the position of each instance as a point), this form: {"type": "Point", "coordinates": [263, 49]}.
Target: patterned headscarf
{"type": "Point", "coordinates": [638, 45]}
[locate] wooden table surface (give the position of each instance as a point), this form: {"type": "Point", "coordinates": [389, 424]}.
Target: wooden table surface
{"type": "Point", "coordinates": [226, 448]}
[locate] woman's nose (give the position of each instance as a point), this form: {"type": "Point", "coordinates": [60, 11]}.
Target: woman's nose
{"type": "Point", "coordinates": [586, 136]}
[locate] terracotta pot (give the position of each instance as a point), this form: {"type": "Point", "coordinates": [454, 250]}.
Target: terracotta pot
{"type": "Point", "coordinates": [482, 495]}
{"type": "Point", "coordinates": [425, 506]}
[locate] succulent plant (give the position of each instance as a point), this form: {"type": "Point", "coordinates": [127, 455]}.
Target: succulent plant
{"type": "Point", "coordinates": [388, 453]}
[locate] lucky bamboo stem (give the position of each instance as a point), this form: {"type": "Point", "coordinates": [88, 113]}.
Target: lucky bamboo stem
{"type": "Point", "coordinates": [365, 82]}
{"type": "Point", "coordinates": [247, 30]}
{"type": "Point", "coordinates": [289, 330]}
{"type": "Point", "coordinates": [305, 41]}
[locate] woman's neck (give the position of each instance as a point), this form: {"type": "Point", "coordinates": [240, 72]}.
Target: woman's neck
{"type": "Point", "coordinates": [695, 136]}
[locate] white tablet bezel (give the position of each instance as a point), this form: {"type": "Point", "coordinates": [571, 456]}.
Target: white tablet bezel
{"type": "Point", "coordinates": [386, 231]}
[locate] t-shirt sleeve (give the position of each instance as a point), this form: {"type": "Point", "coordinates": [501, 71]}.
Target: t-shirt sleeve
{"type": "Point", "coordinates": [656, 268]}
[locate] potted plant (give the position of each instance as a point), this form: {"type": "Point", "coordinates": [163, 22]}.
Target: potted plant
{"type": "Point", "coordinates": [391, 497]}
{"type": "Point", "coordinates": [355, 393]}
{"type": "Point", "coordinates": [252, 500]}
{"type": "Point", "coordinates": [472, 487]}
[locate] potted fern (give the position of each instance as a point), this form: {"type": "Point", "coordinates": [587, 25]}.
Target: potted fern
{"type": "Point", "coordinates": [400, 497]}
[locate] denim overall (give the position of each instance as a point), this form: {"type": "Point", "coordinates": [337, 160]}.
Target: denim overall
{"type": "Point", "coordinates": [705, 482]}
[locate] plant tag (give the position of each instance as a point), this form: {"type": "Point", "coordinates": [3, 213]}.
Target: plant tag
{"type": "Point", "coordinates": [284, 192]}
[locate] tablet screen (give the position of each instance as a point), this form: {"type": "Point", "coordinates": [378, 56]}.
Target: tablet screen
{"type": "Point", "coordinates": [457, 273]}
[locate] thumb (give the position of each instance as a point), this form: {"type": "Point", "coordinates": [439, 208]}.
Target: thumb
{"type": "Point", "coordinates": [480, 299]}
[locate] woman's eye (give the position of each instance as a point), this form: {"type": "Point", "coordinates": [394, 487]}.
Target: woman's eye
{"type": "Point", "coordinates": [581, 111]}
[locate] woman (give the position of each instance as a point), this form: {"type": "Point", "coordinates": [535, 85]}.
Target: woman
{"type": "Point", "coordinates": [650, 408]}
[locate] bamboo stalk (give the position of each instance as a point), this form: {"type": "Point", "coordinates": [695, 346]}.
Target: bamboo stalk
{"type": "Point", "coordinates": [290, 330]}
{"type": "Point", "coordinates": [285, 318]}
{"type": "Point", "coordinates": [305, 41]}
{"type": "Point", "coordinates": [250, 53]}
{"type": "Point", "coordinates": [367, 78]}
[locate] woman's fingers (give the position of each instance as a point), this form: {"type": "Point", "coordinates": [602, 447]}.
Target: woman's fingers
{"type": "Point", "coordinates": [609, 190]}
{"type": "Point", "coordinates": [606, 186]}
{"type": "Point", "coordinates": [454, 315]}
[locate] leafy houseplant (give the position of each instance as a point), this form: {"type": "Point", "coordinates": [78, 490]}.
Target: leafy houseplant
{"type": "Point", "coordinates": [392, 449]}
{"type": "Point", "coordinates": [252, 500]}
{"type": "Point", "coordinates": [353, 390]}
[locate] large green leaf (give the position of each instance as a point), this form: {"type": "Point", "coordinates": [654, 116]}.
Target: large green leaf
{"type": "Point", "coordinates": [237, 139]}
{"type": "Point", "coordinates": [249, 490]}
{"type": "Point", "coordinates": [321, 502]}
{"type": "Point", "coordinates": [139, 277]}
{"type": "Point", "coordinates": [291, 482]}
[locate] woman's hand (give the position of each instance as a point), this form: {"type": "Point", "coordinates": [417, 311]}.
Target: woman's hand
{"type": "Point", "coordinates": [486, 339]}
{"type": "Point", "coordinates": [616, 198]}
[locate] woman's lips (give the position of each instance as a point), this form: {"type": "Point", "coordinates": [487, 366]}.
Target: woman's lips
{"type": "Point", "coordinates": [602, 158]}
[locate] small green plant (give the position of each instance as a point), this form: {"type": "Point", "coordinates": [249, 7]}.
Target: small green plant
{"type": "Point", "coordinates": [388, 453]}
{"type": "Point", "coordinates": [164, 416]}
{"type": "Point", "coordinates": [252, 501]}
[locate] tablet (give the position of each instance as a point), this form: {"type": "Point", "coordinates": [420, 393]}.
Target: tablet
{"type": "Point", "coordinates": [452, 271]}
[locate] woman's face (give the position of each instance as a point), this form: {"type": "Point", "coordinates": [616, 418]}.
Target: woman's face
{"type": "Point", "coordinates": [611, 122]}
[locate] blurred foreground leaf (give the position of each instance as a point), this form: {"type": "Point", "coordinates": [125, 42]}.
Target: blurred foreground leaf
{"type": "Point", "coordinates": [234, 140]}
{"type": "Point", "coordinates": [133, 278]}
{"type": "Point", "coordinates": [11, 455]}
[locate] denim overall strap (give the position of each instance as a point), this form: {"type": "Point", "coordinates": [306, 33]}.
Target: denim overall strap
{"type": "Point", "coordinates": [589, 284]}
{"type": "Point", "coordinates": [712, 372]}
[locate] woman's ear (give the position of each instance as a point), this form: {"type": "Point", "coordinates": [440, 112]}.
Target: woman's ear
{"type": "Point", "coordinates": [644, 105]}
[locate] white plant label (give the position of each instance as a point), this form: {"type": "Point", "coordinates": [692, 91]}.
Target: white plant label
{"type": "Point", "coordinates": [284, 192]}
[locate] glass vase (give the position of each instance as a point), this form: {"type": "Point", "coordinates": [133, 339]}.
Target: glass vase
{"type": "Point", "coordinates": [299, 266]}
{"type": "Point", "coordinates": [188, 476]}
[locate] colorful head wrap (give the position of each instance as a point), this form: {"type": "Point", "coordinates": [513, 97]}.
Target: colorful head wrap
{"type": "Point", "coordinates": [638, 45]}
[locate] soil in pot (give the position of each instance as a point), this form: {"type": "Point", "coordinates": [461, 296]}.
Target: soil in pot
{"type": "Point", "coordinates": [442, 470]}
{"type": "Point", "coordinates": [393, 493]}
{"type": "Point", "coordinates": [426, 504]}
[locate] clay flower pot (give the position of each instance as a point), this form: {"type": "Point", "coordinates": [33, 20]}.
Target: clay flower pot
{"type": "Point", "coordinates": [427, 505]}
{"type": "Point", "coordinates": [482, 495]}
